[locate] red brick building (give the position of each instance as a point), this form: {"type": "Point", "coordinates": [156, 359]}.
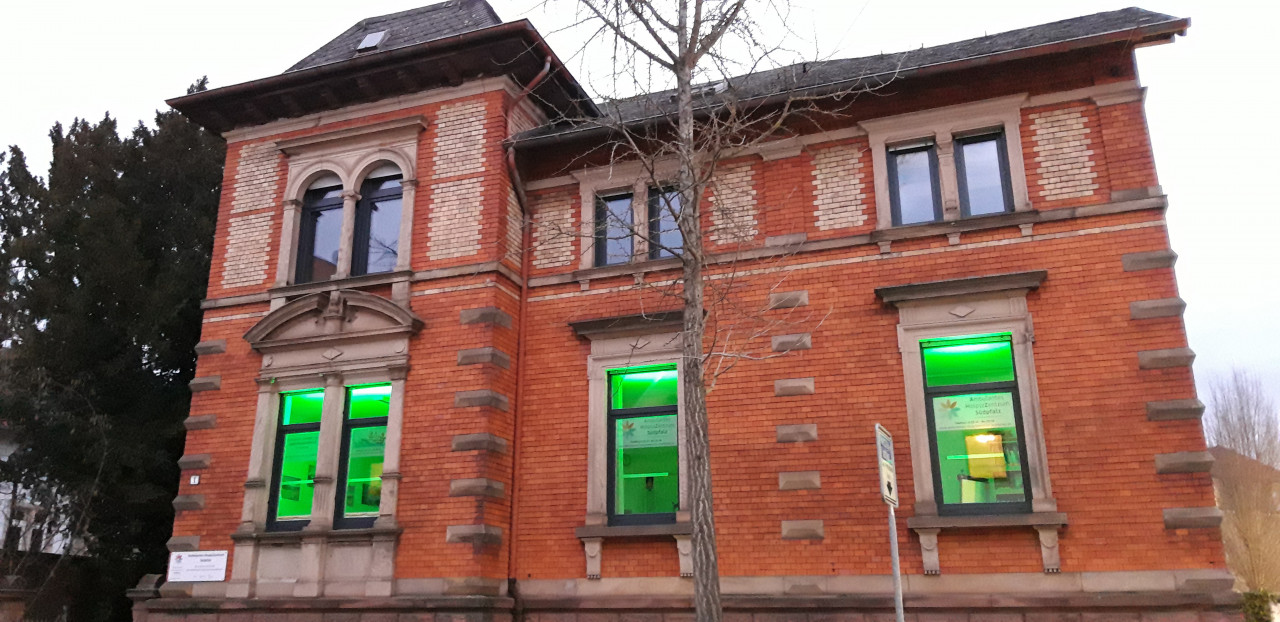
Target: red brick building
{"type": "Point", "coordinates": [409, 403]}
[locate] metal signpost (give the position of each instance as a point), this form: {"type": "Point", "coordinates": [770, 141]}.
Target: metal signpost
{"type": "Point", "coordinates": [889, 491]}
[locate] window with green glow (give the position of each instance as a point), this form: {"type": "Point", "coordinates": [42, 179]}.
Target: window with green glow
{"type": "Point", "coordinates": [969, 360]}
{"type": "Point", "coordinates": [365, 450]}
{"type": "Point", "coordinates": [971, 395]}
{"type": "Point", "coordinates": [364, 441]}
{"type": "Point", "coordinates": [644, 443]}
{"type": "Point", "coordinates": [297, 475]}
{"type": "Point", "coordinates": [297, 446]}
{"type": "Point", "coordinates": [302, 407]}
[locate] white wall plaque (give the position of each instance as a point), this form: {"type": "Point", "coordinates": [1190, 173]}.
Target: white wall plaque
{"type": "Point", "coordinates": [189, 566]}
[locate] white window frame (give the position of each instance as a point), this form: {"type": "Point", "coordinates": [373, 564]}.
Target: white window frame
{"type": "Point", "coordinates": [936, 318]}
{"type": "Point", "coordinates": [617, 353]}
{"type": "Point", "coordinates": [942, 126]}
{"type": "Point", "coordinates": [626, 177]}
{"type": "Point", "coordinates": [350, 154]}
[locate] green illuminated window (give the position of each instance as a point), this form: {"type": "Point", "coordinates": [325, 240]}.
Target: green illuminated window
{"type": "Point", "coordinates": [364, 447]}
{"type": "Point", "coordinates": [296, 449]}
{"type": "Point", "coordinates": [644, 443]}
{"type": "Point", "coordinates": [364, 434]}
{"type": "Point", "coordinates": [971, 395]}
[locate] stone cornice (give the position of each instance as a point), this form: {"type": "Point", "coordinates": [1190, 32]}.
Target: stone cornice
{"type": "Point", "coordinates": [962, 287]}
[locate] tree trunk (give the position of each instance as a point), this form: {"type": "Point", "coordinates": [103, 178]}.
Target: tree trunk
{"type": "Point", "coordinates": [706, 572]}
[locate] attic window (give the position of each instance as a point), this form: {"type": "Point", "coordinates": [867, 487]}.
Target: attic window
{"type": "Point", "coordinates": [371, 41]}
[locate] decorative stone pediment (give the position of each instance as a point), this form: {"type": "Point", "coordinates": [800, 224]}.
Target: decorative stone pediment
{"type": "Point", "coordinates": [336, 328]}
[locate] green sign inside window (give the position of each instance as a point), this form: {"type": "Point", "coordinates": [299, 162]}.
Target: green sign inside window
{"type": "Point", "coordinates": [648, 465]}
{"type": "Point", "coordinates": [303, 407]}
{"type": "Point", "coordinates": [365, 454]}
{"type": "Point", "coordinates": [297, 475]}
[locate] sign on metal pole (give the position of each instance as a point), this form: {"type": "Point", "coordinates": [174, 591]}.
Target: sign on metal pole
{"type": "Point", "coordinates": [889, 492]}
{"type": "Point", "coordinates": [888, 472]}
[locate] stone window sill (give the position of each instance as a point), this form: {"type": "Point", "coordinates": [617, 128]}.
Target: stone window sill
{"type": "Point", "coordinates": [364, 280]}
{"type": "Point", "coordinates": [634, 531]}
{"type": "Point", "coordinates": [331, 535]}
{"type": "Point", "coordinates": [1035, 519]}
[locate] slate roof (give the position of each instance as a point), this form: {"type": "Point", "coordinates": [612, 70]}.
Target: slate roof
{"type": "Point", "coordinates": [404, 29]}
{"type": "Point", "coordinates": [878, 69]}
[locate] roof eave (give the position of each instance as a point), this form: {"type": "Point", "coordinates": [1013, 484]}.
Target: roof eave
{"type": "Point", "coordinates": [1151, 34]}
{"type": "Point", "coordinates": [215, 98]}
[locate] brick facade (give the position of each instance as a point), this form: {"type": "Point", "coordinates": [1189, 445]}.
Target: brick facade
{"type": "Point", "coordinates": [495, 475]}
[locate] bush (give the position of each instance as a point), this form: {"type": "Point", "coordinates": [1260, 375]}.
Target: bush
{"type": "Point", "coordinates": [1257, 606]}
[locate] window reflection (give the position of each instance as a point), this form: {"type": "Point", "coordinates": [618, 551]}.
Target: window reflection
{"type": "Point", "coordinates": [913, 183]}
{"type": "Point", "coordinates": [613, 230]}
{"type": "Point", "coordinates": [983, 185]}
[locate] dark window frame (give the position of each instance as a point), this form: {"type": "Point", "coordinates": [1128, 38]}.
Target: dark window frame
{"type": "Point", "coordinates": [1010, 386]}
{"type": "Point", "coordinates": [364, 219]}
{"type": "Point", "coordinates": [895, 201]}
{"type": "Point", "coordinates": [313, 204]}
{"type": "Point", "coordinates": [348, 426]}
{"type": "Point", "coordinates": [601, 238]}
{"type": "Point", "coordinates": [656, 209]}
{"type": "Point", "coordinates": [277, 467]}
{"type": "Point", "coordinates": [1002, 153]}
{"type": "Point", "coordinates": [613, 416]}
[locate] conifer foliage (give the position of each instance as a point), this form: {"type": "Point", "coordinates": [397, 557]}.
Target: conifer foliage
{"type": "Point", "coordinates": [106, 263]}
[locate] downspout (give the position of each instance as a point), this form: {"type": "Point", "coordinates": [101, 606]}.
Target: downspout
{"type": "Point", "coordinates": [526, 260]}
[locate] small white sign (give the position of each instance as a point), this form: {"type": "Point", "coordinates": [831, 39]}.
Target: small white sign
{"type": "Point", "coordinates": [888, 469]}
{"type": "Point", "coordinates": [190, 566]}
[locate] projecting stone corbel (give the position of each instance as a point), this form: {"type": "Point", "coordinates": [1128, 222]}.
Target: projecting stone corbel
{"type": "Point", "coordinates": [1049, 548]}
{"type": "Point", "coordinates": [591, 548]}
{"type": "Point", "coordinates": [684, 547]}
{"type": "Point", "coordinates": [929, 550]}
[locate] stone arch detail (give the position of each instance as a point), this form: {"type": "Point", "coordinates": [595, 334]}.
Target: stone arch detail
{"type": "Point", "coordinates": [337, 315]}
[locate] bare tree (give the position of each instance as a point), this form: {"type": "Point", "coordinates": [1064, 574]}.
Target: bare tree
{"type": "Point", "coordinates": [680, 137]}
{"type": "Point", "coordinates": [1245, 422]}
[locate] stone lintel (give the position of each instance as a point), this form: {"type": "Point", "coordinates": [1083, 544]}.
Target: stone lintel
{"type": "Point", "coordinates": [486, 315]}
{"type": "Point", "coordinates": [797, 433]}
{"type": "Point", "coordinates": [1149, 260]}
{"type": "Point", "coordinates": [477, 487]}
{"type": "Point", "coordinates": [786, 343]}
{"type": "Point", "coordinates": [480, 356]}
{"type": "Point", "coordinates": [482, 441]}
{"type": "Point", "coordinates": [473, 534]}
{"type": "Point", "coordinates": [789, 300]}
{"type": "Point", "coordinates": [648, 323]}
{"type": "Point", "coordinates": [1173, 410]}
{"type": "Point", "coordinates": [205, 383]}
{"type": "Point", "coordinates": [799, 480]}
{"type": "Point", "coordinates": [188, 502]}
{"type": "Point", "coordinates": [1184, 462]}
{"type": "Point", "coordinates": [793, 386]}
{"type": "Point", "coordinates": [178, 544]}
{"type": "Point", "coordinates": [481, 398]}
{"type": "Point", "coordinates": [1164, 359]}
{"type": "Point", "coordinates": [802, 530]}
{"type": "Point", "coordinates": [192, 462]}
{"type": "Point", "coordinates": [200, 422]}
{"type": "Point", "coordinates": [213, 346]}
{"type": "Point", "coordinates": [961, 287]}
{"type": "Point", "coordinates": [1150, 309]}
{"type": "Point", "coordinates": [1192, 518]}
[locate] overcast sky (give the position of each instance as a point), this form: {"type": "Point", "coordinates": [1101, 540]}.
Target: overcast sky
{"type": "Point", "coordinates": [1210, 104]}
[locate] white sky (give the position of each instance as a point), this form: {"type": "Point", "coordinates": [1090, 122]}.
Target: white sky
{"type": "Point", "coordinates": [1210, 105]}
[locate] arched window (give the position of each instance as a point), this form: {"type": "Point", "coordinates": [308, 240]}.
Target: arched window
{"type": "Point", "coordinates": [377, 235]}
{"type": "Point", "coordinates": [320, 236]}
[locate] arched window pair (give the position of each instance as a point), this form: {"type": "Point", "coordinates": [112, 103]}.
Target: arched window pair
{"type": "Point", "coordinates": [376, 239]}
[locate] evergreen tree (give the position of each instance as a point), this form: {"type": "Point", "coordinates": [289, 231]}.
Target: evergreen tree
{"type": "Point", "coordinates": [104, 327]}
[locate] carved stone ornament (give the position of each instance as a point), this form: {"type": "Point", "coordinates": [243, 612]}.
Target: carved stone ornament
{"type": "Point", "coordinates": [339, 315]}
{"type": "Point", "coordinates": [591, 547]}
